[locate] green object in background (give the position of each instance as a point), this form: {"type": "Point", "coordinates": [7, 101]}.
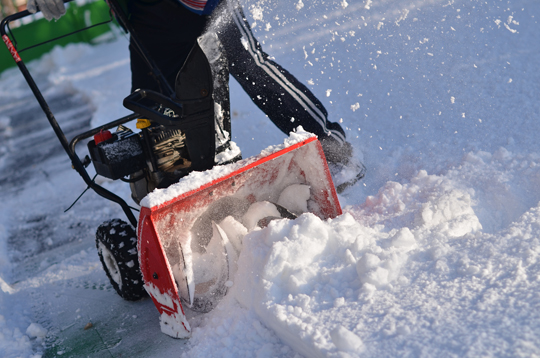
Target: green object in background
{"type": "Point", "coordinates": [29, 31]}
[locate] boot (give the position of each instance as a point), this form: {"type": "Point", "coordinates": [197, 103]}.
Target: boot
{"type": "Point", "coordinates": [346, 169]}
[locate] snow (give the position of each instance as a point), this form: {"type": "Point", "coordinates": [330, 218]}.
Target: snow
{"type": "Point", "coordinates": [258, 211]}
{"type": "Point", "coordinates": [115, 152]}
{"type": "Point", "coordinates": [174, 325]}
{"type": "Point", "coordinates": [437, 252]}
{"type": "Point", "coordinates": [295, 198]}
{"type": "Point", "coordinates": [35, 330]}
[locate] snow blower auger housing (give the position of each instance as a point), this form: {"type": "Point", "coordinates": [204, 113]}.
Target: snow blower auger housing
{"type": "Point", "coordinates": [183, 252]}
{"type": "Point", "coordinates": [178, 225]}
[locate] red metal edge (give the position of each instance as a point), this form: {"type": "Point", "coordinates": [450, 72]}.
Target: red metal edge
{"type": "Point", "coordinates": [155, 269]}
{"type": "Point", "coordinates": [328, 176]}
{"type": "Point", "coordinates": [246, 168]}
{"type": "Point", "coordinates": [11, 48]}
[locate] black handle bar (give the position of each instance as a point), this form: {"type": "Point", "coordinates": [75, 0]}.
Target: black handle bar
{"type": "Point", "coordinates": [17, 16]}
{"type": "Point", "coordinates": [69, 149]}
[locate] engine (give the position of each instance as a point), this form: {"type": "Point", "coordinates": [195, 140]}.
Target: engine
{"type": "Point", "coordinates": [154, 158]}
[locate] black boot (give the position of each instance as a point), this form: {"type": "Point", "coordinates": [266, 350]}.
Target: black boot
{"type": "Point", "coordinates": [345, 168]}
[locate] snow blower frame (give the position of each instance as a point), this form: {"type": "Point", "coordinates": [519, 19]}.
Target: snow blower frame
{"type": "Point", "coordinates": [157, 258]}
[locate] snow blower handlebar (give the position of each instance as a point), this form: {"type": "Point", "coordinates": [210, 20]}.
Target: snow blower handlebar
{"type": "Point", "coordinates": [69, 148]}
{"type": "Point", "coordinates": [136, 103]}
{"type": "Point", "coordinates": [192, 102]}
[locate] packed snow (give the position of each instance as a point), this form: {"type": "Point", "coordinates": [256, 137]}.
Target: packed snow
{"type": "Point", "coordinates": [438, 250]}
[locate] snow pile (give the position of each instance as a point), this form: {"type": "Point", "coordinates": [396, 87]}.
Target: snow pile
{"type": "Point", "coordinates": [13, 317]}
{"type": "Point", "coordinates": [414, 267]}
{"type": "Point", "coordinates": [13, 342]}
{"type": "Point", "coordinates": [296, 273]}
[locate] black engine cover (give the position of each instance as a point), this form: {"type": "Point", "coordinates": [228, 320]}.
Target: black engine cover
{"type": "Point", "coordinates": [117, 157]}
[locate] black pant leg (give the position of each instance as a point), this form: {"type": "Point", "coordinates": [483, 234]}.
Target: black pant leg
{"type": "Point", "coordinates": [284, 99]}
{"type": "Point", "coordinates": [168, 31]}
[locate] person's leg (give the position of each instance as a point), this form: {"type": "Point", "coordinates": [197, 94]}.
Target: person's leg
{"type": "Point", "coordinates": [284, 99]}
{"type": "Point", "coordinates": [168, 31]}
{"type": "Point", "coordinates": [215, 54]}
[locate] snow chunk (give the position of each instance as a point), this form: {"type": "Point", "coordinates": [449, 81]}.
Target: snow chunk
{"type": "Point", "coordinates": [372, 270]}
{"type": "Point", "coordinates": [5, 287]}
{"type": "Point", "coordinates": [295, 198]}
{"type": "Point", "coordinates": [5, 122]}
{"type": "Point", "coordinates": [35, 330]}
{"type": "Point", "coordinates": [346, 340]}
{"type": "Point", "coordinates": [452, 212]}
{"type": "Point", "coordinates": [258, 211]}
{"type": "Point", "coordinates": [367, 263]}
{"type": "Point", "coordinates": [404, 238]}
{"type": "Point", "coordinates": [257, 13]}
{"type": "Point", "coordinates": [235, 231]}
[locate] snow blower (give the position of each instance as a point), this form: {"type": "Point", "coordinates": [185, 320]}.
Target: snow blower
{"type": "Point", "coordinates": [197, 196]}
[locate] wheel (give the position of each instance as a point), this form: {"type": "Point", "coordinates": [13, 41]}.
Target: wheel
{"type": "Point", "coordinates": [116, 243]}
